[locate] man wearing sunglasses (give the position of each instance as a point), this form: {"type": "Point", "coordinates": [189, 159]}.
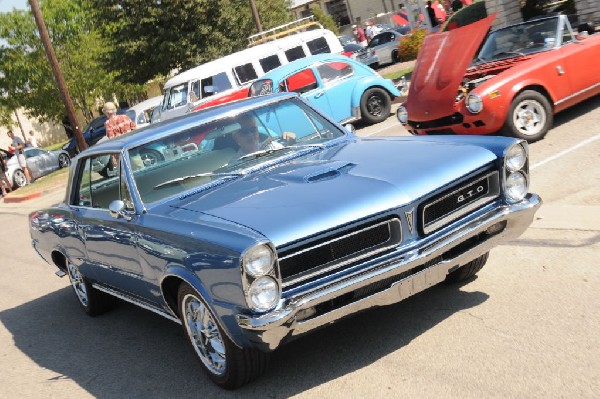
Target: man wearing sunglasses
{"type": "Point", "coordinates": [248, 137]}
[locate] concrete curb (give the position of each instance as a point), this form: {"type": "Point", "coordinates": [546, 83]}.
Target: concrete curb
{"type": "Point", "coordinates": [11, 199]}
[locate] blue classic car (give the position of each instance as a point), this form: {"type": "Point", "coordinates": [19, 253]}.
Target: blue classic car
{"type": "Point", "coordinates": [336, 85]}
{"type": "Point", "coordinates": [277, 222]}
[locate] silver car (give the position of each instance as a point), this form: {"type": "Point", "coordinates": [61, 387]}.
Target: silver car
{"type": "Point", "coordinates": [383, 49]}
{"type": "Point", "coordinates": [40, 163]}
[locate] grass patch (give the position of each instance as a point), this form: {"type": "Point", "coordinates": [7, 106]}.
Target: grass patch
{"type": "Point", "coordinates": [398, 74]}
{"type": "Point", "coordinates": [54, 180]}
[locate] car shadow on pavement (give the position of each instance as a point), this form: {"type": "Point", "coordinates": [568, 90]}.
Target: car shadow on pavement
{"type": "Point", "coordinates": [575, 112]}
{"type": "Point", "coordinates": [133, 353]}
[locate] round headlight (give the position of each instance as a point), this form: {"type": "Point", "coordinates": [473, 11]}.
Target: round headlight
{"type": "Point", "coordinates": [263, 293]}
{"type": "Point", "coordinates": [516, 187]}
{"type": "Point", "coordinates": [259, 260]}
{"type": "Point", "coordinates": [402, 115]}
{"type": "Point", "coordinates": [474, 103]}
{"type": "Point", "coordinates": [515, 158]}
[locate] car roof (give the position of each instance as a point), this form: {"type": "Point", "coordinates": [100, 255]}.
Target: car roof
{"type": "Point", "coordinates": [146, 104]}
{"type": "Point", "coordinates": [284, 70]}
{"type": "Point", "coordinates": [158, 130]}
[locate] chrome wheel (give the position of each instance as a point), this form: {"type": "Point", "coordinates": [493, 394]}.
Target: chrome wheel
{"type": "Point", "coordinates": [78, 283]}
{"type": "Point", "coordinates": [150, 158]}
{"type": "Point", "coordinates": [529, 117]}
{"type": "Point", "coordinates": [19, 179]}
{"type": "Point", "coordinates": [63, 160]}
{"type": "Point", "coordinates": [204, 334]}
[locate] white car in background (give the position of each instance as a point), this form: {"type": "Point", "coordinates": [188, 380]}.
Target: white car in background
{"type": "Point", "coordinates": [141, 113]}
{"type": "Point", "coordinates": [382, 49]}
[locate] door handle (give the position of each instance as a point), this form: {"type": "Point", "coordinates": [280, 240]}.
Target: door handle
{"type": "Point", "coordinates": [319, 94]}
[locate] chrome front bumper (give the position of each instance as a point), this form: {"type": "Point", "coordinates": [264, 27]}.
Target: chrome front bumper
{"type": "Point", "coordinates": [286, 321]}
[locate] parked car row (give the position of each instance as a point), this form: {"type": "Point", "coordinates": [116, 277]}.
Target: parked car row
{"type": "Point", "coordinates": [40, 162]}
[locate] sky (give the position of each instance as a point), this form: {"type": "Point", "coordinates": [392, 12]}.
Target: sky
{"type": "Point", "coordinates": [8, 5]}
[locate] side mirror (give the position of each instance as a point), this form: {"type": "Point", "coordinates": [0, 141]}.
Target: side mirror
{"type": "Point", "coordinates": [117, 209]}
{"type": "Point", "coordinates": [350, 128]}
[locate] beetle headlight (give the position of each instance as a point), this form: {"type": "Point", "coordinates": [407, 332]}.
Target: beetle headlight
{"type": "Point", "coordinates": [263, 293]}
{"type": "Point", "coordinates": [474, 103]}
{"type": "Point", "coordinates": [402, 114]}
{"type": "Point", "coordinates": [516, 187]}
{"type": "Point", "coordinates": [515, 158]}
{"type": "Point", "coordinates": [259, 260]}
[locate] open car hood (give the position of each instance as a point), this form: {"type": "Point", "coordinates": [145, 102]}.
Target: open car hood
{"type": "Point", "coordinates": [440, 68]}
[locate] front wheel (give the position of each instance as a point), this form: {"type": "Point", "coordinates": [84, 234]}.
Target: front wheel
{"type": "Point", "coordinates": [226, 365]}
{"type": "Point", "coordinates": [19, 179]}
{"type": "Point", "coordinates": [529, 117]}
{"type": "Point", "coordinates": [375, 105]}
{"type": "Point", "coordinates": [467, 271]}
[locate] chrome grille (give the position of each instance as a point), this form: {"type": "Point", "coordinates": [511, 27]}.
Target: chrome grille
{"type": "Point", "coordinates": [458, 201]}
{"type": "Point", "coordinates": [336, 251]}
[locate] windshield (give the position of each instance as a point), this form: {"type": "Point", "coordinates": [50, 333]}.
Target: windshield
{"type": "Point", "coordinates": [227, 148]}
{"type": "Point", "coordinates": [527, 38]}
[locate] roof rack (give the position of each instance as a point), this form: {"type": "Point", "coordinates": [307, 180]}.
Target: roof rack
{"type": "Point", "coordinates": [283, 30]}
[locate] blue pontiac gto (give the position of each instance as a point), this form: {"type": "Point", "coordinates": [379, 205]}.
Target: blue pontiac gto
{"type": "Point", "coordinates": [263, 220]}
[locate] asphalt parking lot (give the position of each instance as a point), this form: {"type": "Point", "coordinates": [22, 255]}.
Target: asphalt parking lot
{"type": "Point", "coordinates": [526, 327]}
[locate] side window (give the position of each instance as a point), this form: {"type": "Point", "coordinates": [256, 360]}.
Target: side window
{"type": "Point", "coordinates": [334, 70]}
{"type": "Point", "coordinates": [375, 42]}
{"type": "Point", "coordinates": [318, 46]}
{"type": "Point", "coordinates": [195, 91]}
{"type": "Point", "coordinates": [245, 73]}
{"type": "Point", "coordinates": [294, 53]}
{"type": "Point", "coordinates": [99, 182]}
{"type": "Point", "coordinates": [300, 82]}
{"type": "Point", "coordinates": [214, 84]}
{"type": "Point", "coordinates": [270, 62]}
{"type": "Point", "coordinates": [176, 96]}
{"type": "Point", "coordinates": [33, 153]}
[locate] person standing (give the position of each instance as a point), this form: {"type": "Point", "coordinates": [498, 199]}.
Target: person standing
{"type": "Point", "coordinates": [456, 5]}
{"type": "Point", "coordinates": [31, 140]}
{"type": "Point", "coordinates": [435, 24]}
{"type": "Point", "coordinates": [359, 33]}
{"type": "Point", "coordinates": [116, 124]}
{"type": "Point", "coordinates": [17, 146]}
{"type": "Point", "coordinates": [4, 183]}
{"type": "Point", "coordinates": [369, 31]}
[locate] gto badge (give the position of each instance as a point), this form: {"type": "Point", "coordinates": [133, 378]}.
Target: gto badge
{"type": "Point", "coordinates": [469, 194]}
{"type": "Point", "coordinates": [409, 219]}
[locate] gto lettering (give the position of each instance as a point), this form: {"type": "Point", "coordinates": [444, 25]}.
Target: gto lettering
{"type": "Point", "coordinates": [469, 194]}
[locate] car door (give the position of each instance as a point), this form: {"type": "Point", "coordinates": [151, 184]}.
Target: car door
{"type": "Point", "coordinates": [35, 162]}
{"type": "Point", "coordinates": [110, 243]}
{"type": "Point", "coordinates": [337, 81]}
{"type": "Point", "coordinates": [305, 83]}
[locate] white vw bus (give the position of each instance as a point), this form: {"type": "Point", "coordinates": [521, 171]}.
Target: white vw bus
{"type": "Point", "coordinates": [235, 72]}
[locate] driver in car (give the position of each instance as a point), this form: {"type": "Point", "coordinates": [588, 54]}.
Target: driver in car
{"type": "Point", "coordinates": [248, 137]}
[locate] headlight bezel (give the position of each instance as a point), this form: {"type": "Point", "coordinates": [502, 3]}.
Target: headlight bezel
{"type": "Point", "coordinates": [252, 276]}
{"type": "Point", "coordinates": [469, 104]}
{"type": "Point", "coordinates": [402, 115]}
{"type": "Point", "coordinates": [514, 152]}
{"type": "Point", "coordinates": [509, 187]}
{"type": "Point", "coordinates": [516, 166]}
{"type": "Point", "coordinates": [254, 292]}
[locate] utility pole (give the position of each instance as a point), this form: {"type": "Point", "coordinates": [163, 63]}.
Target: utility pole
{"type": "Point", "coordinates": [60, 80]}
{"type": "Point", "coordinates": [256, 17]}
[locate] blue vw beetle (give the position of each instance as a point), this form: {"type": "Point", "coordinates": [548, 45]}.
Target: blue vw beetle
{"type": "Point", "coordinates": [336, 85]}
{"type": "Point", "coordinates": [267, 220]}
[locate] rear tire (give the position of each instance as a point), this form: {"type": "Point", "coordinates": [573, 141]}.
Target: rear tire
{"type": "Point", "coordinates": [64, 160]}
{"type": "Point", "coordinates": [375, 105]}
{"type": "Point", "coordinates": [395, 56]}
{"type": "Point", "coordinates": [19, 179]}
{"type": "Point", "coordinates": [226, 365]}
{"type": "Point", "coordinates": [92, 301]}
{"type": "Point", "coordinates": [467, 271]}
{"type": "Point", "coordinates": [529, 117]}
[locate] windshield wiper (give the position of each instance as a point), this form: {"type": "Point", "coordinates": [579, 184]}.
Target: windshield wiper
{"type": "Point", "coordinates": [199, 175]}
{"type": "Point", "coordinates": [262, 153]}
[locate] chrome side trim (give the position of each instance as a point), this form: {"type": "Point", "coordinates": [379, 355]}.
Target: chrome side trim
{"type": "Point", "coordinates": [136, 302]}
{"type": "Point", "coordinates": [493, 192]}
{"type": "Point", "coordinates": [577, 94]}
{"type": "Point", "coordinates": [393, 241]}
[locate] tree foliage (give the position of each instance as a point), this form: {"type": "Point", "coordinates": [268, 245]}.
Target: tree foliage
{"type": "Point", "coordinates": [26, 78]}
{"type": "Point", "coordinates": [325, 19]}
{"type": "Point", "coordinates": [151, 38]}
{"type": "Point", "coordinates": [534, 8]}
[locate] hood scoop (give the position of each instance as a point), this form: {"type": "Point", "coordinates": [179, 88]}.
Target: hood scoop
{"type": "Point", "coordinates": [329, 174]}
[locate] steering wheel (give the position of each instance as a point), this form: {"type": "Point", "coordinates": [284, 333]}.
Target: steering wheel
{"type": "Point", "coordinates": [284, 140]}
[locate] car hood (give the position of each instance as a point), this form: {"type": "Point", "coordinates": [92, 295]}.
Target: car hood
{"type": "Point", "coordinates": [336, 186]}
{"type": "Point", "coordinates": [440, 67]}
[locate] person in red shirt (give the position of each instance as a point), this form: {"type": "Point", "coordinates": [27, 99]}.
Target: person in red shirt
{"type": "Point", "coordinates": [116, 124]}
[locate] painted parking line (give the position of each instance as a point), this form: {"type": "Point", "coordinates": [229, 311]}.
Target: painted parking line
{"type": "Point", "coordinates": [565, 152]}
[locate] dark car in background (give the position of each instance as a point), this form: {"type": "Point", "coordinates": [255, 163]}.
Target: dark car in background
{"type": "Point", "coordinates": [91, 134]}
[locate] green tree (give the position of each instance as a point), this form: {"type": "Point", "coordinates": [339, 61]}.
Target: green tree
{"type": "Point", "coordinates": [26, 79]}
{"type": "Point", "coordinates": [325, 19]}
{"type": "Point", "coordinates": [153, 38]}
